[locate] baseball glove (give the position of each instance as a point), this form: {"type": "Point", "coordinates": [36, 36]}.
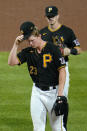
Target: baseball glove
{"type": "Point", "coordinates": [60, 106]}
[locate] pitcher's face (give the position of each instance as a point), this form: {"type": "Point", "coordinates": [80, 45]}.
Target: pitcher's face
{"type": "Point", "coordinates": [33, 41]}
{"type": "Point", "coordinates": [53, 20]}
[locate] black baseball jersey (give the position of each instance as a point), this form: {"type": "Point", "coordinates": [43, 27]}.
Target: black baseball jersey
{"type": "Point", "coordinates": [28, 56]}
{"type": "Point", "coordinates": [63, 37]}
{"type": "Point", "coordinates": [43, 67]}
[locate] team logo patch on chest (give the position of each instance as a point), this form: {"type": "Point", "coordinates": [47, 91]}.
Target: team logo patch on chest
{"type": "Point", "coordinates": [58, 40]}
{"type": "Point", "coordinates": [47, 58]}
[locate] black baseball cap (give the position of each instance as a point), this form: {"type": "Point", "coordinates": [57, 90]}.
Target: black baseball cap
{"type": "Point", "coordinates": [51, 11]}
{"type": "Point", "coordinates": [26, 29]}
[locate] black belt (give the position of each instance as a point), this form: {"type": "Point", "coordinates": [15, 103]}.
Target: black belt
{"type": "Point", "coordinates": [46, 88]}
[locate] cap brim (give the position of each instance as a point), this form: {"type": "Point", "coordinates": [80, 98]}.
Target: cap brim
{"type": "Point", "coordinates": [50, 15]}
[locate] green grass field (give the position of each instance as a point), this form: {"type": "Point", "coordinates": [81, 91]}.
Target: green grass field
{"type": "Point", "coordinates": [15, 93]}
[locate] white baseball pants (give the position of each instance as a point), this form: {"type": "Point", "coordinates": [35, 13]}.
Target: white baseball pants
{"type": "Point", "coordinates": [42, 102]}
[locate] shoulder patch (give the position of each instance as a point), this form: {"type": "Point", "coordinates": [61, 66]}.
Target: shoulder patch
{"type": "Point", "coordinates": [76, 42]}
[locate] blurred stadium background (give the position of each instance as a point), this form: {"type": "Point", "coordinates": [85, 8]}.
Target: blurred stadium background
{"type": "Point", "coordinates": [14, 12]}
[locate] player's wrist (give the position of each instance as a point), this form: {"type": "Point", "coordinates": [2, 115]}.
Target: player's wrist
{"type": "Point", "coordinates": [60, 93]}
{"type": "Point", "coordinates": [16, 45]}
{"type": "Point", "coordinates": [74, 51]}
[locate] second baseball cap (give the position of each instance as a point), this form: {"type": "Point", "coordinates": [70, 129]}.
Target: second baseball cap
{"type": "Point", "coordinates": [51, 11]}
{"type": "Point", "coordinates": [26, 29]}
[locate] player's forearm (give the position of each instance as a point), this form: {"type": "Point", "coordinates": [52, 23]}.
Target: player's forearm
{"type": "Point", "coordinates": [62, 78]}
{"type": "Point", "coordinates": [73, 51]}
{"type": "Point", "coordinates": [12, 59]}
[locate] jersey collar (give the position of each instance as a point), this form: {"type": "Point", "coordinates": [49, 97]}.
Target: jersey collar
{"type": "Point", "coordinates": [42, 48]}
{"type": "Point", "coordinates": [55, 29]}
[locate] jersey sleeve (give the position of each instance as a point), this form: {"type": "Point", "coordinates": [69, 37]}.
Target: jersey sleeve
{"type": "Point", "coordinates": [21, 57]}
{"type": "Point", "coordinates": [72, 39]}
{"type": "Point", "coordinates": [58, 58]}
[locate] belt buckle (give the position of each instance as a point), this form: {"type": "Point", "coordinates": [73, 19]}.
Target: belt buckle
{"type": "Point", "coordinates": [51, 88]}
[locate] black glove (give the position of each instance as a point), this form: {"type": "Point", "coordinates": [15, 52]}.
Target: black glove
{"type": "Point", "coordinates": [60, 106]}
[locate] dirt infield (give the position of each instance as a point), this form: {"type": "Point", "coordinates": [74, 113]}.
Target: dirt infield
{"type": "Point", "coordinates": [14, 12]}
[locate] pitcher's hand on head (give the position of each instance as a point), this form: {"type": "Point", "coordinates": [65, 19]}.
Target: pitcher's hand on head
{"type": "Point", "coordinates": [19, 39]}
